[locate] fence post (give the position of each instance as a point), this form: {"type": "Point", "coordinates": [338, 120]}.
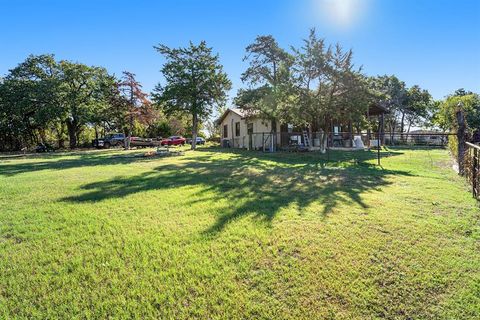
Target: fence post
{"type": "Point", "coordinates": [378, 150]}
{"type": "Point", "coordinates": [477, 176]}
{"type": "Point", "coordinates": [474, 172]}
{"type": "Point", "coordinates": [379, 142]}
{"type": "Point", "coordinates": [381, 136]}
{"type": "Point", "coordinates": [461, 140]}
{"type": "Point", "coordinates": [475, 163]}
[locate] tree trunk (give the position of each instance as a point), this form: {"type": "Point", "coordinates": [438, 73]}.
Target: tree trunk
{"type": "Point", "coordinates": [409, 127]}
{"type": "Point", "coordinates": [72, 133]}
{"type": "Point", "coordinates": [130, 122]}
{"type": "Point", "coordinates": [78, 131]}
{"type": "Point", "coordinates": [130, 129]}
{"type": "Point", "coordinates": [324, 142]}
{"type": "Point", "coordinates": [194, 131]}
{"type": "Point", "coordinates": [60, 140]}
{"type": "Point", "coordinates": [402, 123]}
{"type": "Point", "coordinates": [391, 124]}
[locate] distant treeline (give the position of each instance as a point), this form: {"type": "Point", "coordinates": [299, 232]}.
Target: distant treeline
{"type": "Point", "coordinates": [67, 104]}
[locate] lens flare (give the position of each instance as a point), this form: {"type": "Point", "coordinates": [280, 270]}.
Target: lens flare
{"type": "Point", "coordinates": [342, 14]}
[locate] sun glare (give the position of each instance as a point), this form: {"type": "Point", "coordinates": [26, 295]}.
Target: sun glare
{"type": "Point", "coordinates": [342, 14]}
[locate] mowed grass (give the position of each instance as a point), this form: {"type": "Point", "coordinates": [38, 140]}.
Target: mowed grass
{"type": "Point", "coordinates": [220, 234]}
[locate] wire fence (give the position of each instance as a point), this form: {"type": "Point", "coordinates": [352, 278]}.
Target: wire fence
{"type": "Point", "coordinates": [320, 141]}
{"type": "Point", "coordinates": [471, 167]}
{"type": "Point", "coordinates": [341, 146]}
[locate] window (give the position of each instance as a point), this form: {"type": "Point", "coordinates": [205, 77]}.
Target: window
{"type": "Point", "coordinates": [237, 129]}
{"type": "Point", "coordinates": [225, 131]}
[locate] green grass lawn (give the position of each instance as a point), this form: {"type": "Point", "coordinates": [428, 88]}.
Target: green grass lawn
{"type": "Point", "coordinates": [221, 234]}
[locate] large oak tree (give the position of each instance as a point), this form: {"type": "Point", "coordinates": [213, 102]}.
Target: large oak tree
{"type": "Point", "coordinates": [29, 100]}
{"type": "Point", "coordinates": [194, 84]}
{"type": "Point", "coordinates": [85, 90]}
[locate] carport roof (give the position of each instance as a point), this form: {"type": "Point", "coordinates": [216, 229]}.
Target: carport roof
{"type": "Point", "coordinates": [376, 110]}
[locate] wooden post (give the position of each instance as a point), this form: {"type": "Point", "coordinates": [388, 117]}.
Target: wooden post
{"type": "Point", "coordinates": [477, 176]}
{"type": "Point", "coordinates": [263, 141]}
{"type": "Point", "coordinates": [475, 162]}
{"type": "Point", "coordinates": [381, 136]}
{"type": "Point", "coordinates": [378, 144]}
{"type": "Point", "coordinates": [461, 140]}
{"type": "Point", "coordinates": [350, 133]}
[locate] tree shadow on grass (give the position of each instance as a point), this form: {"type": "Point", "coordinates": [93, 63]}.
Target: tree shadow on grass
{"type": "Point", "coordinates": [78, 160]}
{"type": "Point", "coordinates": [333, 157]}
{"type": "Point", "coordinates": [253, 184]}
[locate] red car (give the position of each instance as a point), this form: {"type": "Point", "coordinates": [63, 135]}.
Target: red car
{"type": "Point", "coordinates": [173, 141]}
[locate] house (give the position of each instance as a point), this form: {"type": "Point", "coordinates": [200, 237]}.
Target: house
{"type": "Point", "coordinates": [241, 130]}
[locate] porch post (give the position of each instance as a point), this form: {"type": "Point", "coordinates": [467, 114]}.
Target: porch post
{"type": "Point", "coordinates": [382, 130]}
{"type": "Point", "coordinates": [350, 133]}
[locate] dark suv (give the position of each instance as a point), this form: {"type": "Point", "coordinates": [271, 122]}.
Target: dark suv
{"type": "Point", "coordinates": [110, 140]}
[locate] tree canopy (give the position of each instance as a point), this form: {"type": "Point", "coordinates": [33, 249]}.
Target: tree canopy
{"type": "Point", "coordinates": [42, 97]}
{"type": "Point", "coordinates": [132, 105]}
{"type": "Point", "coordinates": [310, 86]}
{"type": "Point", "coordinates": [407, 106]}
{"type": "Point", "coordinates": [268, 79]}
{"type": "Point", "coordinates": [85, 91]}
{"type": "Point", "coordinates": [195, 83]}
{"type": "Point", "coordinates": [467, 102]}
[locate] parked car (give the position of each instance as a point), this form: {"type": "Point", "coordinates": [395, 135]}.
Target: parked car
{"type": "Point", "coordinates": [173, 141]}
{"type": "Point", "coordinates": [110, 140]}
{"type": "Point", "coordinates": [118, 140]}
{"type": "Point", "coordinates": [199, 140]}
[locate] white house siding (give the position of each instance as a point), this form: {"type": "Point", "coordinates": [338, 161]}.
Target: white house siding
{"type": "Point", "coordinates": [242, 140]}
{"type": "Point", "coordinates": [230, 120]}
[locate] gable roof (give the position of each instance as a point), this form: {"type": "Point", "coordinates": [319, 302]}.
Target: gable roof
{"type": "Point", "coordinates": [240, 112]}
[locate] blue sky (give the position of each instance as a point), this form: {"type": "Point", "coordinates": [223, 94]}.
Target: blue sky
{"type": "Point", "coordinates": [432, 43]}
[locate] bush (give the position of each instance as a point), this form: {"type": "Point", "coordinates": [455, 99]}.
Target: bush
{"type": "Point", "coordinates": [453, 146]}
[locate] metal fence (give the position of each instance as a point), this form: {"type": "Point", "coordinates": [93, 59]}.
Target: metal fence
{"type": "Point", "coordinates": [301, 141]}
{"type": "Point", "coordinates": [472, 168]}
{"type": "Point", "coordinates": [433, 139]}
{"type": "Point", "coordinates": [336, 145]}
